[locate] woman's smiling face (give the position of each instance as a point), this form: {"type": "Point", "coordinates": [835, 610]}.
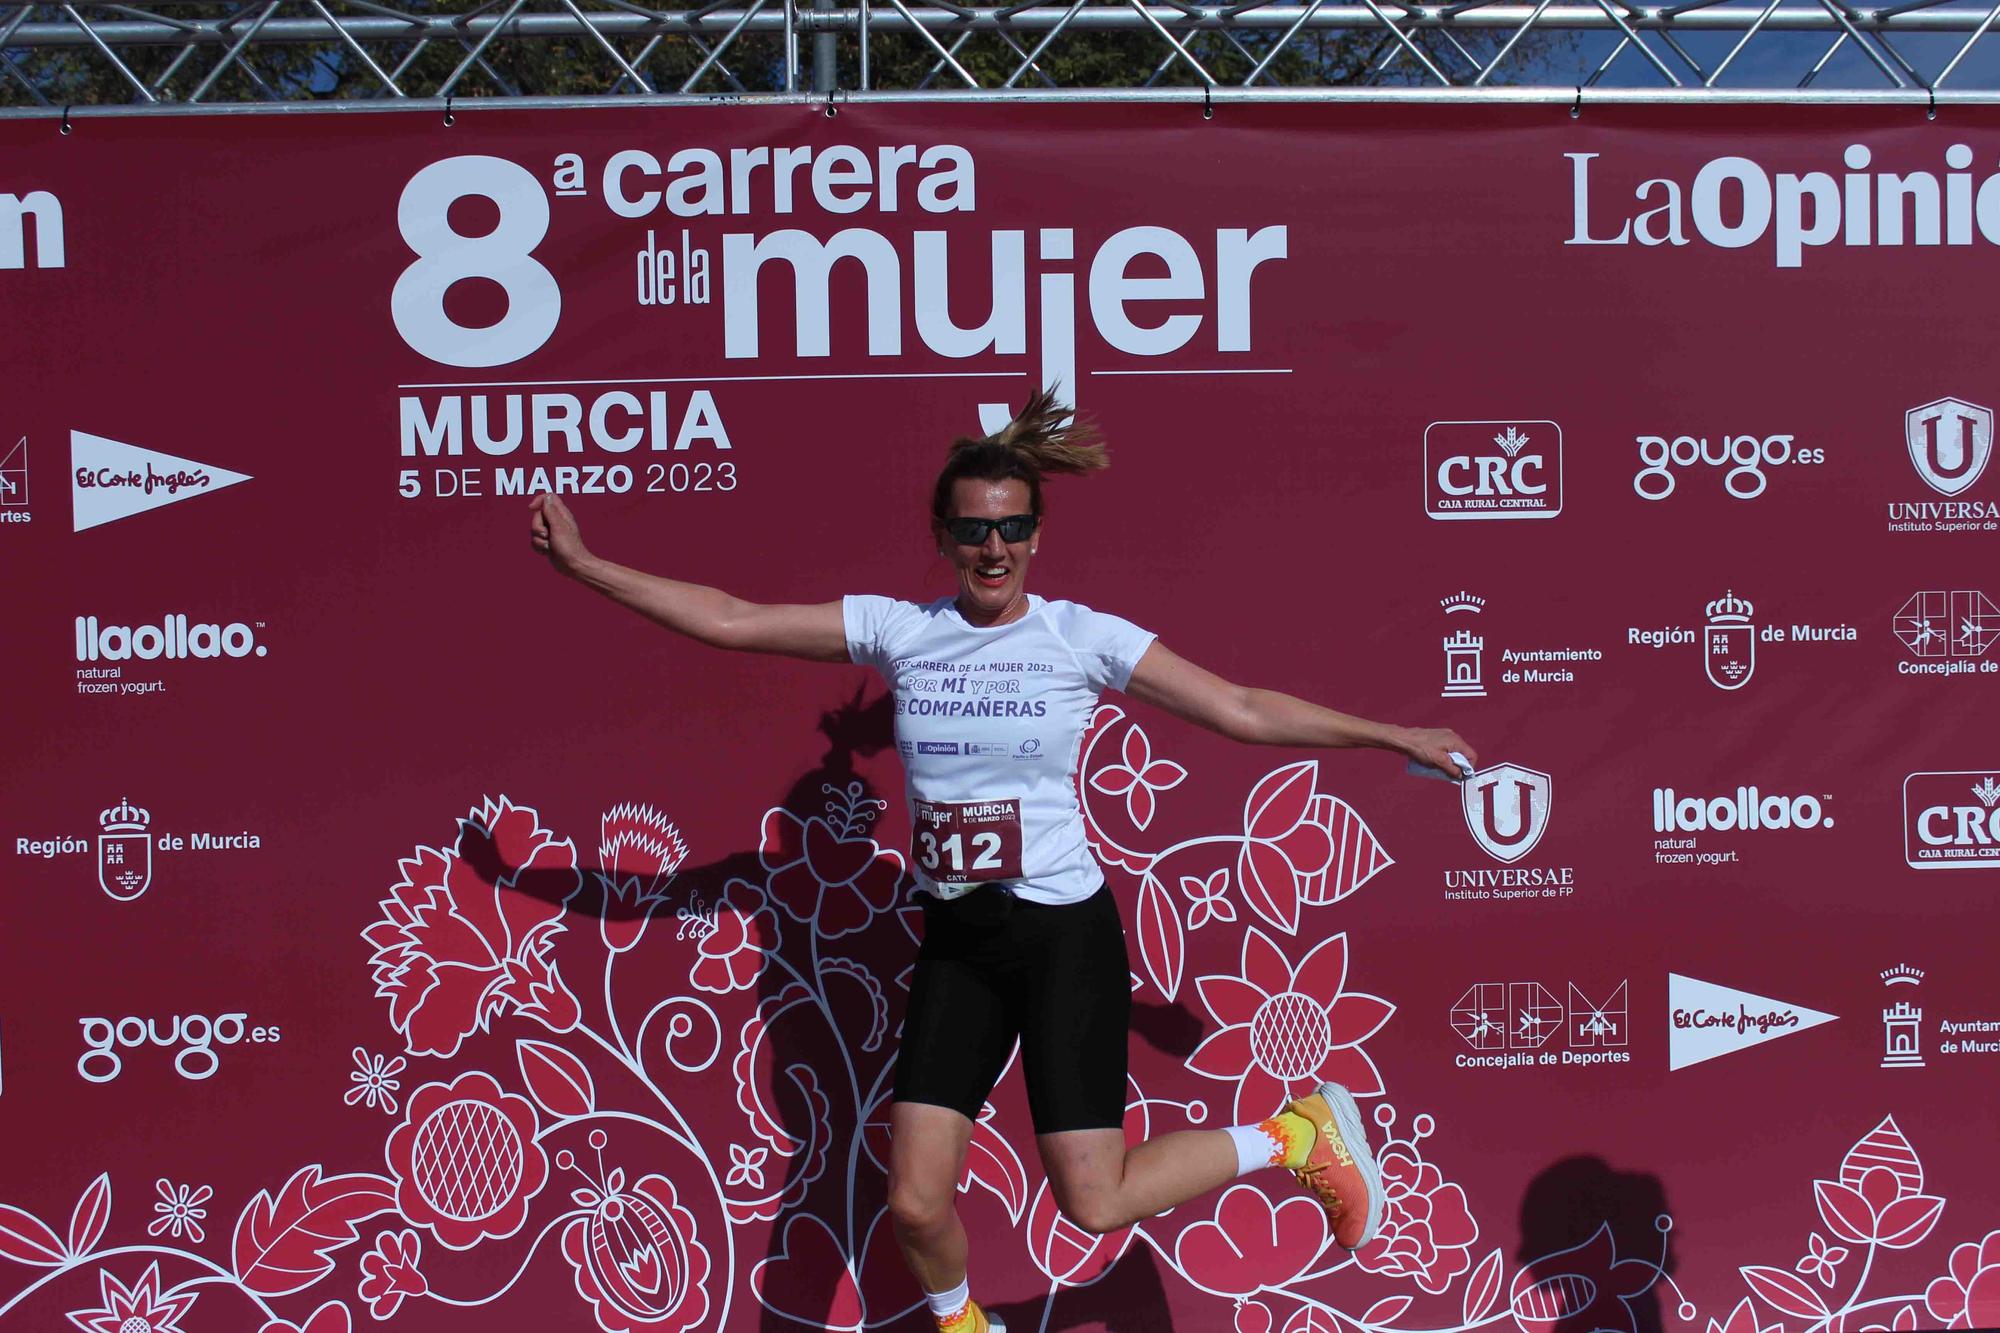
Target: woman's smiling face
{"type": "Point", "coordinates": [993, 575]}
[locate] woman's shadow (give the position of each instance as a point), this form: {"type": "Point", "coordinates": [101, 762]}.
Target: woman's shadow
{"type": "Point", "coordinates": [1562, 1212]}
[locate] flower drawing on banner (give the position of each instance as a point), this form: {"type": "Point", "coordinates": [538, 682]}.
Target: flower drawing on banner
{"type": "Point", "coordinates": [1879, 1197]}
{"type": "Point", "coordinates": [1743, 1319]}
{"type": "Point", "coordinates": [329, 1318]}
{"type": "Point", "coordinates": [827, 870]}
{"type": "Point", "coordinates": [1904, 1322]}
{"type": "Point", "coordinates": [1820, 1259]}
{"type": "Point", "coordinates": [1290, 834]}
{"type": "Point", "coordinates": [375, 1081]}
{"type": "Point", "coordinates": [1586, 1286]}
{"type": "Point", "coordinates": [1248, 1243]}
{"type": "Point", "coordinates": [1428, 1231]}
{"type": "Point", "coordinates": [180, 1211]}
{"type": "Point", "coordinates": [1138, 778]}
{"type": "Point", "coordinates": [639, 851]}
{"type": "Point", "coordinates": [634, 1258]}
{"type": "Point", "coordinates": [1968, 1295]}
{"type": "Point", "coordinates": [746, 1165]}
{"type": "Point", "coordinates": [462, 941]}
{"type": "Point", "coordinates": [1287, 1029]}
{"type": "Point", "coordinates": [465, 1160]}
{"type": "Point", "coordinates": [389, 1272]}
{"type": "Point", "coordinates": [731, 956]}
{"type": "Point", "coordinates": [138, 1308]}
{"type": "Point", "coordinates": [1208, 896]}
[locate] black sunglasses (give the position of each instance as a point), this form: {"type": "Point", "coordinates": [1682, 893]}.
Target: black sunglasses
{"type": "Point", "coordinates": [972, 531]}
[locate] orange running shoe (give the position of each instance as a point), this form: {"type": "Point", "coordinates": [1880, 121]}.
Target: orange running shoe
{"type": "Point", "coordinates": [971, 1319]}
{"type": "Point", "coordinates": [1341, 1171]}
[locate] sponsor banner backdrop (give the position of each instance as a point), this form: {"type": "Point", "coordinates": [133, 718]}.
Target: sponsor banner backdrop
{"type": "Point", "coordinates": [397, 932]}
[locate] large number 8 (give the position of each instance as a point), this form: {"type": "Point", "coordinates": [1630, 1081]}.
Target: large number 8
{"type": "Point", "coordinates": [505, 256]}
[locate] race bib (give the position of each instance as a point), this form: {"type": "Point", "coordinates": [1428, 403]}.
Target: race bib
{"type": "Point", "coordinates": [963, 843]}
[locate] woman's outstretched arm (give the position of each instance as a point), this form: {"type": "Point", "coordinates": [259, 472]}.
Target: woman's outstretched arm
{"type": "Point", "coordinates": [1266, 717]}
{"type": "Point", "coordinates": [709, 615]}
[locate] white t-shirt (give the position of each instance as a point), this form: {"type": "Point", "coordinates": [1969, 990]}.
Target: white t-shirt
{"type": "Point", "coordinates": [990, 722]}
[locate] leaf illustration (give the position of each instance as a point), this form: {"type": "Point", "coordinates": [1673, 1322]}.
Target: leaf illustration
{"type": "Point", "coordinates": [1846, 1214]}
{"type": "Point", "coordinates": [1358, 856]}
{"type": "Point", "coordinates": [281, 1244]}
{"type": "Point", "coordinates": [1884, 1145]}
{"type": "Point", "coordinates": [1270, 885]}
{"type": "Point", "coordinates": [1161, 943]}
{"type": "Point", "coordinates": [555, 1078]}
{"type": "Point", "coordinates": [1387, 1310]}
{"type": "Point", "coordinates": [1784, 1293]}
{"type": "Point", "coordinates": [90, 1216]}
{"type": "Point", "coordinates": [1906, 1222]}
{"type": "Point", "coordinates": [26, 1239]}
{"type": "Point", "coordinates": [992, 1163]}
{"type": "Point", "coordinates": [1280, 799]}
{"type": "Point", "coordinates": [1482, 1290]}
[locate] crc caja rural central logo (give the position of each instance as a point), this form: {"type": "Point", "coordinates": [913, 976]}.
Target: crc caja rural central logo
{"type": "Point", "coordinates": [1951, 821]}
{"type": "Point", "coordinates": [1493, 469]}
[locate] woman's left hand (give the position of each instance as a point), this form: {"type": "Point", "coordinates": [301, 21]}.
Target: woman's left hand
{"type": "Point", "coordinates": [1433, 746]}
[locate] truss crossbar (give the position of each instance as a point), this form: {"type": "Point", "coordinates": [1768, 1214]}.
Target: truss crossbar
{"type": "Point", "coordinates": [220, 52]}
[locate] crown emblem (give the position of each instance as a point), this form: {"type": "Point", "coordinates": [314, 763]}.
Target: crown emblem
{"type": "Point", "coordinates": [126, 817]}
{"type": "Point", "coordinates": [1902, 974]}
{"type": "Point", "coordinates": [1511, 441]}
{"type": "Point", "coordinates": [1462, 601]}
{"type": "Point", "coordinates": [1729, 609]}
{"type": "Point", "coordinates": [1987, 792]}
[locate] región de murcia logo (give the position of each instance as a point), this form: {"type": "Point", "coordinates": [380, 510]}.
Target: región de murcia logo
{"type": "Point", "coordinates": [125, 845]}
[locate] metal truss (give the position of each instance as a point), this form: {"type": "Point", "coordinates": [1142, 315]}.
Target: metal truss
{"type": "Point", "coordinates": [72, 58]}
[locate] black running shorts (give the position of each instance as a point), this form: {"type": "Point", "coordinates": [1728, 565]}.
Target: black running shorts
{"type": "Point", "coordinates": [994, 967]}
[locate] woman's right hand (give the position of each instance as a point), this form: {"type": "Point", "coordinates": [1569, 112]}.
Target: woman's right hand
{"type": "Point", "coordinates": [552, 531]}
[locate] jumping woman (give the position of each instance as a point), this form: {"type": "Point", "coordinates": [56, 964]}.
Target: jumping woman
{"type": "Point", "coordinates": [1022, 939]}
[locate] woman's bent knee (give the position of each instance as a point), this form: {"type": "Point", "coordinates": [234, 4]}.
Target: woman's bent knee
{"type": "Point", "coordinates": [915, 1208]}
{"type": "Point", "coordinates": [1095, 1216]}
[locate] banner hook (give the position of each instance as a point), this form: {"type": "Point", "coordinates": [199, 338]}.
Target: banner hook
{"type": "Point", "coordinates": [65, 120]}
{"type": "Point", "coordinates": [1576, 107]}
{"type": "Point", "coordinates": [1207, 103]}
{"type": "Point", "coordinates": [1931, 112]}
{"type": "Point", "coordinates": [449, 120]}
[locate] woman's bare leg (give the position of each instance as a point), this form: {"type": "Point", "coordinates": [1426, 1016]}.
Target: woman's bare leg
{"type": "Point", "coordinates": [927, 1147]}
{"type": "Point", "coordinates": [1101, 1185]}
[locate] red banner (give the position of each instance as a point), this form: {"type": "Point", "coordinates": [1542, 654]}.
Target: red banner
{"type": "Point", "coordinates": [399, 933]}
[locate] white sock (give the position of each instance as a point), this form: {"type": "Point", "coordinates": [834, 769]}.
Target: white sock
{"type": "Point", "coordinates": [945, 1304]}
{"type": "Point", "coordinates": [1253, 1148]}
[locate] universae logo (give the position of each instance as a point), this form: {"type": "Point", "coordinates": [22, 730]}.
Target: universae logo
{"type": "Point", "coordinates": [1950, 442]}
{"type": "Point", "coordinates": [1507, 809]}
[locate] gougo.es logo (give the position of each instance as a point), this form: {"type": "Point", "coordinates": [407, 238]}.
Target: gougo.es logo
{"type": "Point", "coordinates": [195, 1035]}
